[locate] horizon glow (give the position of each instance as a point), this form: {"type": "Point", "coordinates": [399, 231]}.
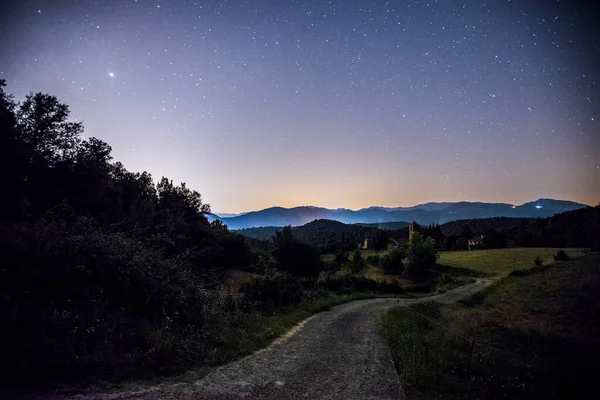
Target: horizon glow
{"type": "Point", "coordinates": [333, 104]}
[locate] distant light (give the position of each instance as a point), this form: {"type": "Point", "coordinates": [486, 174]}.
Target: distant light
{"type": "Point", "coordinates": [538, 206]}
{"type": "Point", "coordinates": [112, 75]}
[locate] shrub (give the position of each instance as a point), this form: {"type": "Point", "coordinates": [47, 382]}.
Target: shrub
{"type": "Point", "coordinates": [78, 300]}
{"type": "Point", "coordinates": [340, 259]}
{"type": "Point", "coordinates": [561, 255]}
{"type": "Point", "coordinates": [462, 244]}
{"type": "Point", "coordinates": [357, 264]}
{"type": "Point", "coordinates": [392, 262]}
{"type": "Point", "coordinates": [538, 261]}
{"type": "Point", "coordinates": [272, 290]}
{"type": "Point", "coordinates": [356, 283]}
{"type": "Point", "coordinates": [373, 260]}
{"type": "Point", "coordinates": [379, 240]}
{"type": "Point", "coordinates": [299, 259]}
{"type": "Point", "coordinates": [420, 257]}
{"type": "Point", "coordinates": [450, 242]}
{"type": "Point", "coordinates": [493, 240]}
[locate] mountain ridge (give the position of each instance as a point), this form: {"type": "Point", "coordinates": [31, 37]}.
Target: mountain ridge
{"type": "Point", "coordinates": [427, 213]}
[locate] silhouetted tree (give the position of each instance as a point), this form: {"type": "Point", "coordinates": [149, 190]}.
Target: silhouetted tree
{"type": "Point", "coordinates": [392, 262]}
{"type": "Point", "coordinates": [450, 242]}
{"type": "Point", "coordinates": [357, 264]}
{"type": "Point", "coordinates": [98, 263]}
{"type": "Point", "coordinates": [462, 244]}
{"type": "Point", "coordinates": [420, 257]}
{"type": "Point", "coordinates": [493, 240]}
{"type": "Point", "coordinates": [299, 259]}
{"type": "Point", "coordinates": [44, 126]}
{"type": "Point", "coordinates": [379, 240]}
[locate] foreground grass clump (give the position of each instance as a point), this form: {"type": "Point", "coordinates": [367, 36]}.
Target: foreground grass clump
{"type": "Point", "coordinates": [501, 261]}
{"type": "Point", "coordinates": [534, 335]}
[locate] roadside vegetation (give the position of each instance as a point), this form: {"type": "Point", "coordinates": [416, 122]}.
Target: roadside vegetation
{"type": "Point", "coordinates": [107, 274]}
{"type": "Point", "coordinates": [110, 274]}
{"type": "Point", "coordinates": [533, 334]}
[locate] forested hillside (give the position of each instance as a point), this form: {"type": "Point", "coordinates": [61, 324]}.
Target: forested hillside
{"type": "Point", "coordinates": [577, 228]}
{"type": "Point", "coordinates": [107, 274]}
{"type": "Point", "coordinates": [101, 267]}
{"type": "Point", "coordinates": [326, 235]}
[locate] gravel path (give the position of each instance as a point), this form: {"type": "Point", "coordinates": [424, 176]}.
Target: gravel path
{"type": "Point", "coordinates": [337, 354]}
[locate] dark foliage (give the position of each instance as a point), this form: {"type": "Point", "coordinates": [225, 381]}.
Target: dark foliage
{"type": "Point", "coordinates": [101, 268]}
{"type": "Point", "coordinates": [298, 259]}
{"type": "Point", "coordinates": [461, 244]}
{"type": "Point", "coordinates": [493, 239]}
{"type": "Point", "coordinates": [392, 262]}
{"type": "Point", "coordinates": [340, 258]}
{"type": "Point", "coordinates": [538, 261]}
{"type": "Point", "coordinates": [325, 235]}
{"type": "Point", "coordinates": [561, 255]}
{"type": "Point", "coordinates": [262, 232]}
{"type": "Point", "coordinates": [466, 231]}
{"type": "Point", "coordinates": [433, 231]}
{"type": "Point", "coordinates": [420, 259]}
{"type": "Point", "coordinates": [373, 260]}
{"type": "Point", "coordinates": [379, 240]}
{"type": "Point", "coordinates": [357, 263]}
{"type": "Point", "coordinates": [450, 242]}
{"type": "Point", "coordinates": [273, 289]}
{"type": "Point", "coordinates": [578, 228]}
{"type": "Point", "coordinates": [357, 283]}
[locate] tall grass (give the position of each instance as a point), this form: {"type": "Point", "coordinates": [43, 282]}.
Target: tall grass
{"type": "Point", "coordinates": [535, 335]}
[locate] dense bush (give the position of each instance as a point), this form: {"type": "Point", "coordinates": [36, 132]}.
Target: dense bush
{"type": "Point", "coordinates": [273, 289]}
{"type": "Point", "coordinates": [357, 263]}
{"type": "Point", "coordinates": [103, 271]}
{"type": "Point", "coordinates": [79, 300]}
{"type": "Point", "coordinates": [299, 259]}
{"type": "Point", "coordinates": [420, 257]}
{"type": "Point", "coordinates": [379, 240]}
{"type": "Point", "coordinates": [450, 242]}
{"type": "Point", "coordinates": [561, 255]}
{"type": "Point", "coordinates": [462, 244]}
{"type": "Point", "coordinates": [493, 240]}
{"type": "Point", "coordinates": [339, 259]}
{"type": "Point", "coordinates": [392, 262]}
{"type": "Point", "coordinates": [373, 259]}
{"type": "Point", "coordinates": [346, 283]}
{"type": "Point", "coordinates": [538, 261]}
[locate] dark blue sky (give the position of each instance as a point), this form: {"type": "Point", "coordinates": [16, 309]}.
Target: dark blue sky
{"type": "Point", "coordinates": [328, 103]}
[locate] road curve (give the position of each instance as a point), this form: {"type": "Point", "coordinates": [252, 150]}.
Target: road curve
{"type": "Point", "coordinates": [336, 354]}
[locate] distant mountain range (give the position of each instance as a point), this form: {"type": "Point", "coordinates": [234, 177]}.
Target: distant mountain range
{"type": "Point", "coordinates": [423, 213]}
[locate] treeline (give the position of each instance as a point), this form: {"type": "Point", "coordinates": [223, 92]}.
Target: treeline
{"type": "Point", "coordinates": [577, 228]}
{"type": "Point", "coordinates": [106, 273]}
{"type": "Point", "coordinates": [103, 271]}
{"type": "Point", "coordinates": [327, 236]}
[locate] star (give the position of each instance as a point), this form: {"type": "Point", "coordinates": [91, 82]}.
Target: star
{"type": "Point", "coordinates": [111, 74]}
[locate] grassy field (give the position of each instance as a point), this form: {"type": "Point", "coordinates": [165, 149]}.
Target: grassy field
{"type": "Point", "coordinates": [536, 335]}
{"type": "Point", "coordinates": [501, 261]}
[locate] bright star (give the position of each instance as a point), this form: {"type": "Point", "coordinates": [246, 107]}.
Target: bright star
{"type": "Point", "coordinates": [111, 74]}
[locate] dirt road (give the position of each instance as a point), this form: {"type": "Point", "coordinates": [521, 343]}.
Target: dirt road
{"type": "Point", "coordinates": [337, 354]}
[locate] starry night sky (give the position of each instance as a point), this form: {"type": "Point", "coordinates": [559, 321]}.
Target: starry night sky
{"type": "Point", "coordinates": [326, 103]}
